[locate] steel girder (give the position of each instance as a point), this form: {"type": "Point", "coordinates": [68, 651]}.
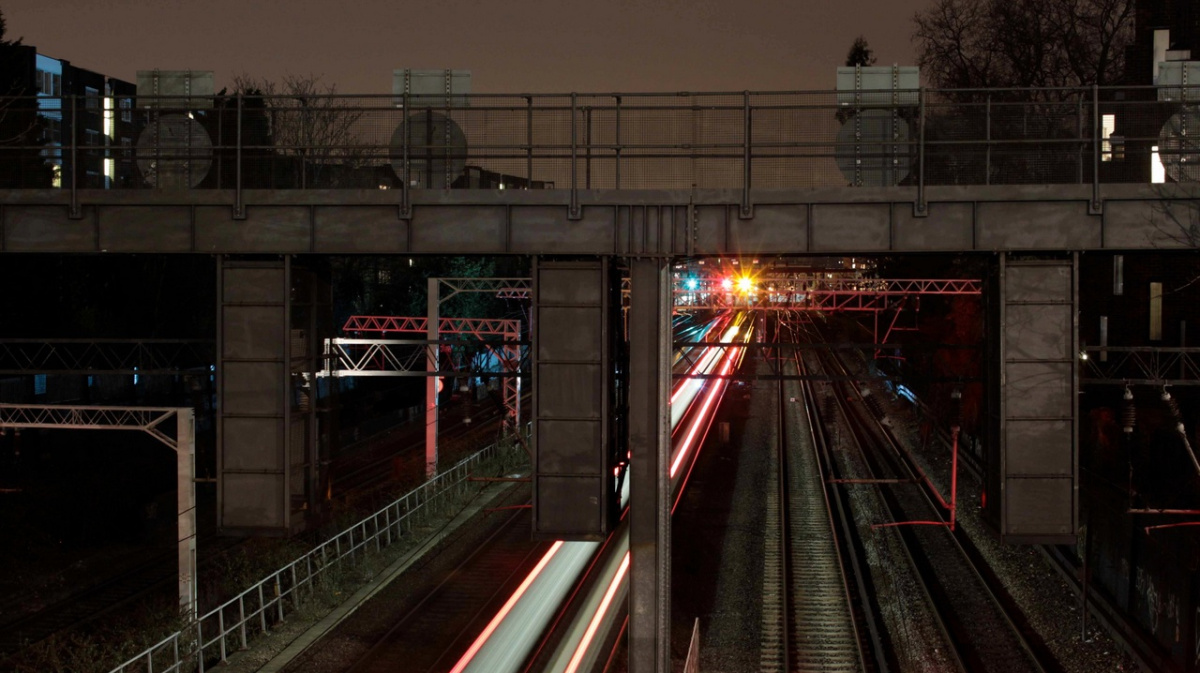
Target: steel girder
{"type": "Point", "coordinates": [148, 420]}
{"type": "Point", "coordinates": [108, 356]}
{"type": "Point", "coordinates": [1146, 365]}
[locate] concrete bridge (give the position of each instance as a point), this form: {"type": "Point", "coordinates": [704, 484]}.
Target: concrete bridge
{"type": "Point", "coordinates": [588, 179]}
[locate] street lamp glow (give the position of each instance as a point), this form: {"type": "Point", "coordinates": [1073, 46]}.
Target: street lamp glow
{"type": "Point", "coordinates": [745, 285]}
{"type": "Point", "coordinates": [691, 283]}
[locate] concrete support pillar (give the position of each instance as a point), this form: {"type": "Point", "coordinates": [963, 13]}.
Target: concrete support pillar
{"type": "Point", "coordinates": [650, 449]}
{"type": "Point", "coordinates": [1039, 378]}
{"type": "Point", "coordinates": [431, 382]}
{"type": "Point", "coordinates": [254, 397]}
{"type": "Point", "coordinates": [185, 460]}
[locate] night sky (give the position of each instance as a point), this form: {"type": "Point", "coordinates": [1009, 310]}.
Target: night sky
{"type": "Point", "coordinates": [510, 47]}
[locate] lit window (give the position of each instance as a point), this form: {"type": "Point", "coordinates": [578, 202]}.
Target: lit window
{"type": "Point", "coordinates": [1158, 174]}
{"type": "Point", "coordinates": [39, 384]}
{"type": "Point", "coordinates": [1108, 124]}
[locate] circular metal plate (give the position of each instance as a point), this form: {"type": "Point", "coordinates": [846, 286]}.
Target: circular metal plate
{"type": "Point", "coordinates": [174, 152]}
{"type": "Point", "coordinates": [1179, 145]}
{"type": "Point", "coordinates": [437, 150]}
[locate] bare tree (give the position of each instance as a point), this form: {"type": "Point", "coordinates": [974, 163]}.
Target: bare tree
{"type": "Point", "coordinates": [311, 124]}
{"type": "Point", "coordinates": [1177, 221]}
{"type": "Point", "coordinates": [1024, 43]}
{"type": "Point", "coordinates": [21, 160]}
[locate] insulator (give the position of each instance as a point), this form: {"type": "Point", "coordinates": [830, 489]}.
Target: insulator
{"type": "Point", "coordinates": [1128, 413]}
{"type": "Point", "coordinates": [956, 410]}
{"type": "Point", "coordinates": [1172, 406]}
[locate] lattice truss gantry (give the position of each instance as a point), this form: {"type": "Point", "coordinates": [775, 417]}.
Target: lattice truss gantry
{"type": "Point", "coordinates": [409, 357]}
{"type": "Point", "coordinates": [503, 288]}
{"type": "Point", "coordinates": [1140, 365]}
{"type": "Point", "coordinates": [811, 292]}
{"type": "Point", "coordinates": [146, 419]}
{"type": "Point", "coordinates": [150, 420]}
{"type": "Point", "coordinates": [108, 356]}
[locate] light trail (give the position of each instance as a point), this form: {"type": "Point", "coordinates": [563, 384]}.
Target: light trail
{"type": "Point", "coordinates": [715, 393]}
{"type": "Point", "coordinates": [511, 635]}
{"type": "Point", "coordinates": [512, 600]}
{"type": "Point", "coordinates": [594, 624]}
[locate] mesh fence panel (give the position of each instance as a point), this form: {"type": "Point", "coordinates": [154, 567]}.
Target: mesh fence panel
{"type": "Point", "coordinates": [796, 140]}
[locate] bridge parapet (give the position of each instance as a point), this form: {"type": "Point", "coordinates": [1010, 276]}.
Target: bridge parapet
{"type": "Point", "coordinates": [643, 173]}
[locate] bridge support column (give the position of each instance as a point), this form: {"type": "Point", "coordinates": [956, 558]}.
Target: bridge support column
{"type": "Point", "coordinates": [431, 382]}
{"type": "Point", "coordinates": [185, 505]}
{"type": "Point", "coordinates": [650, 451]}
{"type": "Point", "coordinates": [267, 458]}
{"type": "Point", "coordinates": [1038, 426]}
{"type": "Point", "coordinates": [574, 380]}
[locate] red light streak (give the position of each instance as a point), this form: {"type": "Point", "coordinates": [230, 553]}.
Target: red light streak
{"type": "Point", "coordinates": [704, 363]}
{"type": "Point", "coordinates": [686, 445]}
{"type": "Point", "coordinates": [512, 600]}
{"type": "Point", "coordinates": [715, 392]}
{"type": "Point", "coordinates": [581, 649]}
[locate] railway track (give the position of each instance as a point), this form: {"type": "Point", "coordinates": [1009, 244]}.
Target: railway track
{"type": "Point", "coordinates": [424, 620]}
{"type": "Point", "coordinates": [808, 615]}
{"type": "Point", "coordinates": [368, 463]}
{"type": "Point", "coordinates": [982, 627]}
{"type": "Point", "coordinates": [158, 572]}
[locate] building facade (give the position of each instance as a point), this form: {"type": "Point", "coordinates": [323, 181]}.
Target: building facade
{"type": "Point", "coordinates": [91, 109]}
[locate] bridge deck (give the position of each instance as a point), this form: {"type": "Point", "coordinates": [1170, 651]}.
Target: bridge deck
{"type": "Point", "coordinates": [611, 222]}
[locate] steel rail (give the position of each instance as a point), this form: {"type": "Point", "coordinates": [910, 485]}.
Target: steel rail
{"type": "Point", "coordinates": [972, 631]}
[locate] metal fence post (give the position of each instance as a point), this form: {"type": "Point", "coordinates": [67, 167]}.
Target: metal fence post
{"type": "Point", "coordinates": [987, 166]}
{"type": "Point", "coordinates": [573, 209]}
{"type": "Point", "coordinates": [220, 634]}
{"type": "Point", "coordinates": [587, 145]}
{"type": "Point", "coordinates": [747, 210]}
{"type": "Point", "coordinates": [262, 609]}
{"type": "Point", "coordinates": [406, 186]}
{"type": "Point", "coordinates": [1079, 133]}
{"type": "Point", "coordinates": [920, 209]}
{"type": "Point", "coordinates": [295, 590]}
{"type": "Point", "coordinates": [239, 206]}
{"type": "Point", "coordinates": [617, 140]}
{"type": "Point", "coordinates": [1096, 207]}
{"type": "Point", "coordinates": [242, 619]}
{"type": "Point", "coordinates": [529, 142]}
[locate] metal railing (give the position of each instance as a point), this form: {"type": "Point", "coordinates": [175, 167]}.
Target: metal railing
{"type": "Point", "coordinates": [759, 140]}
{"type": "Point", "coordinates": [231, 626]}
